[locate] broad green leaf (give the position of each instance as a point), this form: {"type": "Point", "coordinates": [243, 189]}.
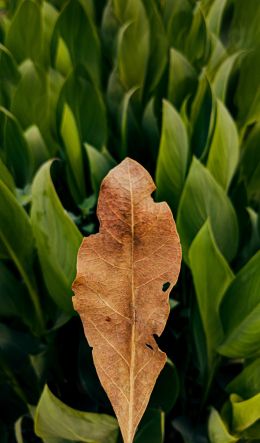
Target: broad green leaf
{"type": "Point", "coordinates": [87, 106]}
{"type": "Point", "coordinates": [54, 419]}
{"type": "Point", "coordinates": [63, 61]}
{"type": "Point", "coordinates": [17, 153]}
{"type": "Point", "coordinates": [203, 198]}
{"type": "Point", "coordinates": [224, 148]}
{"type": "Point", "coordinates": [166, 390]}
{"type": "Point", "coordinates": [247, 383]}
{"type": "Point", "coordinates": [241, 320]}
{"type": "Point", "coordinates": [173, 157]}
{"type": "Point", "coordinates": [6, 177]}
{"type": "Point", "coordinates": [244, 412]}
{"type": "Point", "coordinates": [23, 40]}
{"type": "Point", "coordinates": [215, 16]}
{"type": "Point", "coordinates": [30, 100]}
{"type": "Point", "coordinates": [151, 427]}
{"type": "Point", "coordinates": [16, 236]}
{"type": "Point", "coordinates": [57, 238]}
{"type": "Point", "coordinates": [133, 44]}
{"type": "Point", "coordinates": [38, 150]}
{"type": "Point", "coordinates": [71, 141]}
{"type": "Point", "coordinates": [250, 164]}
{"type": "Point", "coordinates": [158, 46]}
{"type": "Point", "coordinates": [82, 41]}
{"type": "Point", "coordinates": [15, 300]}
{"type": "Point", "coordinates": [218, 432]}
{"type": "Point", "coordinates": [197, 42]}
{"type": "Point", "coordinates": [100, 163]}
{"type": "Point", "coordinates": [8, 67]}
{"type": "Point", "coordinates": [202, 118]}
{"type": "Point", "coordinates": [222, 78]}
{"type": "Point", "coordinates": [210, 285]}
{"type": "Point", "coordinates": [182, 78]}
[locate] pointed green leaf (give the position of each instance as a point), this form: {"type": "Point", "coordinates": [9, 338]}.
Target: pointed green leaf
{"type": "Point", "coordinates": [100, 164]}
{"type": "Point", "coordinates": [241, 320]}
{"type": "Point", "coordinates": [224, 147]}
{"type": "Point", "coordinates": [182, 78]}
{"type": "Point", "coordinates": [218, 432]}
{"type": "Point", "coordinates": [210, 285]}
{"type": "Point", "coordinates": [247, 383]}
{"type": "Point", "coordinates": [215, 16]}
{"type": "Point", "coordinates": [57, 238]}
{"type": "Point", "coordinates": [55, 420]}
{"type": "Point", "coordinates": [203, 198]}
{"type": "Point", "coordinates": [8, 67]}
{"type": "Point", "coordinates": [173, 157]}
{"type": "Point", "coordinates": [244, 412]}
{"type": "Point", "coordinates": [6, 177]}
{"type": "Point", "coordinates": [222, 78]}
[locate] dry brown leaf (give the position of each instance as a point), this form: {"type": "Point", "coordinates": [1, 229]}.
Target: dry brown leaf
{"type": "Point", "coordinates": [119, 289]}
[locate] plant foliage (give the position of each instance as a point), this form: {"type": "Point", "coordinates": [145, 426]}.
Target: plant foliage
{"type": "Point", "coordinates": [173, 84]}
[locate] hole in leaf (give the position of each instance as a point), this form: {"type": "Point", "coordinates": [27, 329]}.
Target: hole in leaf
{"type": "Point", "coordinates": [149, 346]}
{"type": "Point", "coordinates": [165, 286]}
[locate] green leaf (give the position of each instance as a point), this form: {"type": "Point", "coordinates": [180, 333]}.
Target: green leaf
{"type": "Point", "coordinates": [182, 78]}
{"type": "Point", "coordinates": [250, 164]}
{"type": "Point", "coordinates": [178, 16]}
{"type": "Point", "coordinates": [49, 18]}
{"type": "Point", "coordinates": [100, 164]}
{"type": "Point", "coordinates": [6, 177]}
{"type": "Point", "coordinates": [197, 42]}
{"type": "Point", "coordinates": [30, 100]}
{"type": "Point", "coordinates": [57, 238]}
{"type": "Point", "coordinates": [241, 320]}
{"type": "Point", "coordinates": [151, 427]}
{"type": "Point", "coordinates": [71, 140]}
{"type": "Point", "coordinates": [54, 419]}
{"type": "Point", "coordinates": [224, 147]}
{"type": "Point", "coordinates": [37, 147]}
{"type": "Point", "coordinates": [203, 198]}
{"type": "Point", "coordinates": [63, 61]}
{"type": "Point", "coordinates": [215, 16]}
{"type": "Point", "coordinates": [133, 44]}
{"type": "Point", "coordinates": [166, 390]}
{"type": "Point", "coordinates": [18, 156]}
{"type": "Point", "coordinates": [82, 41]}
{"type": "Point", "coordinates": [8, 67]}
{"type": "Point", "coordinates": [247, 383]}
{"type": "Point", "coordinates": [16, 235]}
{"type": "Point", "coordinates": [222, 78]}
{"type": "Point", "coordinates": [124, 111]}
{"type": "Point", "coordinates": [210, 285]}
{"type": "Point", "coordinates": [22, 40]}
{"type": "Point", "coordinates": [202, 118]}
{"type": "Point", "coordinates": [218, 432]}
{"type": "Point", "coordinates": [173, 157]}
{"type": "Point", "coordinates": [15, 300]}
{"type": "Point", "coordinates": [87, 106]}
{"type": "Point", "coordinates": [244, 412]}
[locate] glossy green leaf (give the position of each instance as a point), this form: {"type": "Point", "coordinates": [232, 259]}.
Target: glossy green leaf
{"type": "Point", "coordinates": [222, 78]}
{"type": "Point", "coordinates": [100, 163]}
{"type": "Point", "coordinates": [173, 157]}
{"type": "Point", "coordinates": [244, 412]}
{"type": "Point", "coordinates": [202, 118]}
{"type": "Point", "coordinates": [218, 432]}
{"type": "Point", "coordinates": [247, 383]}
{"type": "Point", "coordinates": [54, 419]}
{"type": "Point", "coordinates": [16, 236]}
{"type": "Point", "coordinates": [133, 44]}
{"type": "Point", "coordinates": [215, 16]}
{"type": "Point", "coordinates": [22, 40]}
{"type": "Point", "coordinates": [203, 198]}
{"type": "Point", "coordinates": [63, 61]}
{"type": "Point", "coordinates": [151, 427]}
{"type": "Point", "coordinates": [71, 141]}
{"type": "Point", "coordinates": [87, 106]}
{"type": "Point", "coordinates": [57, 238]}
{"type": "Point", "coordinates": [224, 147]}
{"type": "Point", "coordinates": [210, 285]}
{"type": "Point", "coordinates": [241, 320]}
{"type": "Point", "coordinates": [82, 41]}
{"type": "Point", "coordinates": [182, 78]}
{"type": "Point", "coordinates": [6, 177]}
{"type": "Point", "coordinates": [30, 100]}
{"type": "Point", "coordinates": [17, 153]}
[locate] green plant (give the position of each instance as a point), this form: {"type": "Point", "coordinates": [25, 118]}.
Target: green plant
{"type": "Point", "coordinates": [175, 85]}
